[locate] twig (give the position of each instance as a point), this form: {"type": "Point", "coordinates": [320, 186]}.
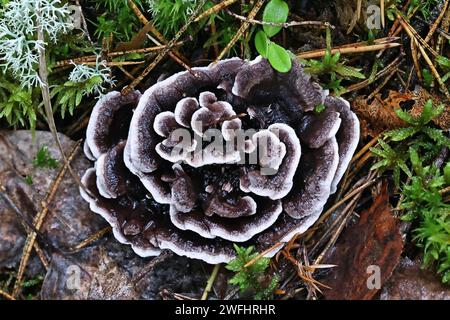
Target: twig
{"type": "Point", "coordinates": [444, 191]}
{"type": "Point", "coordinates": [39, 220]}
{"type": "Point", "coordinates": [413, 35]}
{"type": "Point", "coordinates": [397, 27]}
{"type": "Point", "coordinates": [163, 53]}
{"type": "Point", "coordinates": [383, 14]}
{"type": "Point", "coordinates": [381, 85]}
{"type": "Point", "coordinates": [232, 293]}
{"type": "Point", "coordinates": [43, 75]}
{"type": "Point", "coordinates": [41, 255]}
{"type": "Point", "coordinates": [11, 203]}
{"type": "Point", "coordinates": [347, 212]}
{"type": "Point", "coordinates": [165, 254]}
{"type": "Point", "coordinates": [6, 295]}
{"type": "Point", "coordinates": [305, 272]}
{"type": "Point", "coordinates": [348, 50]}
{"type": "Point", "coordinates": [445, 28]}
{"type": "Point", "coordinates": [214, 9]}
{"type": "Point", "coordinates": [115, 63]}
{"type": "Point", "coordinates": [126, 73]}
{"type": "Point", "coordinates": [179, 296]}
{"type": "Point", "coordinates": [112, 54]}
{"type": "Point", "coordinates": [356, 16]}
{"type": "Point", "coordinates": [348, 196]}
{"type": "Point", "coordinates": [321, 24]}
{"type": "Point", "coordinates": [214, 32]}
{"type": "Point", "coordinates": [174, 54]}
{"type": "Point", "coordinates": [262, 254]}
{"type": "Point", "coordinates": [86, 242]}
{"type": "Point", "coordinates": [242, 29]}
{"type": "Point", "coordinates": [210, 282]}
{"type": "Point", "coordinates": [364, 149]}
{"type": "Point", "coordinates": [415, 57]}
{"type": "Point", "coordinates": [393, 65]}
{"type": "Point", "coordinates": [437, 22]}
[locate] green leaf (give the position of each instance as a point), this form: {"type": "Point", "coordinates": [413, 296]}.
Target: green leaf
{"type": "Point", "coordinates": [405, 116]}
{"type": "Point", "coordinates": [380, 164]}
{"type": "Point", "coordinates": [427, 78]}
{"type": "Point", "coordinates": [275, 11]}
{"type": "Point", "coordinates": [29, 180]}
{"type": "Point", "coordinates": [335, 58]}
{"type": "Point", "coordinates": [262, 43]}
{"type": "Point", "coordinates": [401, 133]}
{"type": "Point", "coordinates": [443, 61]}
{"type": "Point", "coordinates": [327, 58]}
{"type": "Point", "coordinates": [78, 98]}
{"type": "Point", "coordinates": [279, 58]}
{"type": "Point", "coordinates": [386, 147]}
{"type": "Point", "coordinates": [379, 152]}
{"type": "Point", "coordinates": [347, 71]}
{"type": "Point", "coordinates": [248, 278]}
{"type": "Point", "coordinates": [437, 135]}
{"type": "Point", "coordinates": [415, 160]}
{"type": "Point", "coordinates": [44, 159]}
{"type": "Point", "coordinates": [429, 112]}
{"type": "Point", "coordinates": [447, 173]}
{"type": "Point", "coordinates": [402, 165]}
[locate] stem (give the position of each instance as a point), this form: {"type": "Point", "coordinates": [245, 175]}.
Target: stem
{"type": "Point", "coordinates": [210, 282]}
{"type": "Point", "coordinates": [43, 75]}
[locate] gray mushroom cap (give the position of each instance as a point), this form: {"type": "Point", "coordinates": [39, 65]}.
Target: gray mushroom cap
{"type": "Point", "coordinates": [109, 122]}
{"type": "Point", "coordinates": [160, 189]}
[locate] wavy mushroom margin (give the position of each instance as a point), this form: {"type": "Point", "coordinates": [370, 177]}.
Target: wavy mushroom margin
{"type": "Point", "coordinates": [128, 190]}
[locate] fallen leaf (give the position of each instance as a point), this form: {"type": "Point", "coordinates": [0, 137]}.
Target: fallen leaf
{"type": "Point", "coordinates": [365, 255]}
{"type": "Point", "coordinates": [379, 115]}
{"type": "Point", "coordinates": [422, 96]}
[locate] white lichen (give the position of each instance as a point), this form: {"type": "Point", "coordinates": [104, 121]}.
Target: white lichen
{"type": "Point", "coordinates": [82, 73]}
{"type": "Point", "coordinates": [19, 22]}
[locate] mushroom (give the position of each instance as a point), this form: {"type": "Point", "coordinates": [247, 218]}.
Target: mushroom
{"type": "Point", "coordinates": [231, 152]}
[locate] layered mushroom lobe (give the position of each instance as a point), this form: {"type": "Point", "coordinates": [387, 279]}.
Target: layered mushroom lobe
{"type": "Point", "coordinates": [231, 152]}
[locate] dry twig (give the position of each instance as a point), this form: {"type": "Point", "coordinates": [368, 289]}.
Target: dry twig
{"type": "Point", "coordinates": [242, 29]}
{"type": "Point", "coordinates": [39, 220]}
{"type": "Point", "coordinates": [214, 9]}
{"type": "Point", "coordinates": [166, 50]}
{"type": "Point", "coordinates": [348, 49]}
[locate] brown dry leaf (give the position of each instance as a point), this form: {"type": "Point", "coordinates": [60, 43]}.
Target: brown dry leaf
{"type": "Point", "coordinates": [374, 242]}
{"type": "Point", "coordinates": [379, 115]}
{"type": "Point", "coordinates": [422, 96]}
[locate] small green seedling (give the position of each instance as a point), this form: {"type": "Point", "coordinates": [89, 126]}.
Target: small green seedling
{"type": "Point", "coordinates": [331, 66]}
{"type": "Point", "coordinates": [276, 11]}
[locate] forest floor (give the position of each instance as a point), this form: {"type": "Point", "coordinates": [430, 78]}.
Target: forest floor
{"type": "Point", "coordinates": [387, 228]}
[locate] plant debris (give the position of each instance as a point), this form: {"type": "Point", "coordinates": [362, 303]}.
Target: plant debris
{"type": "Point", "coordinates": [373, 244]}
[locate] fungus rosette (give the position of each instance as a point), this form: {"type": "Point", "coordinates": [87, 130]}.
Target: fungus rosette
{"type": "Point", "coordinates": [229, 153]}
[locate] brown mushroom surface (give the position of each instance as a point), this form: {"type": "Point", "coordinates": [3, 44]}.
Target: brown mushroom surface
{"type": "Point", "coordinates": [231, 152]}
